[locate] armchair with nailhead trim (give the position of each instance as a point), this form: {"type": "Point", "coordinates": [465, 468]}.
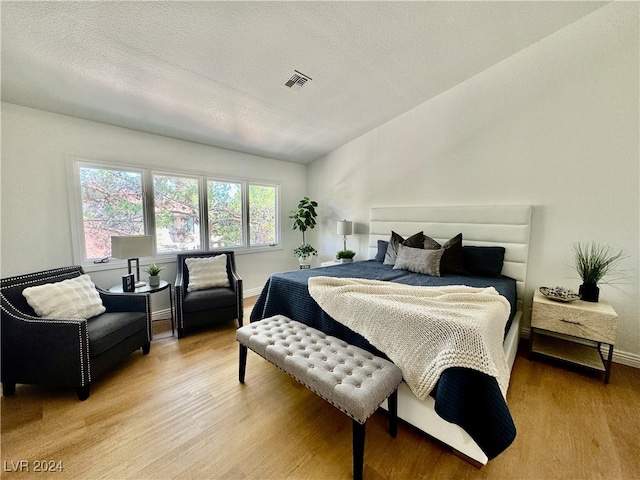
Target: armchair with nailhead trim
{"type": "Point", "coordinates": [67, 351]}
{"type": "Point", "coordinates": [208, 306]}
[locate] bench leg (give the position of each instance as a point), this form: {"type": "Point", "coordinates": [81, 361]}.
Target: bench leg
{"type": "Point", "coordinates": [392, 403]}
{"type": "Point", "coordinates": [358, 449]}
{"type": "Point", "coordinates": [242, 363]}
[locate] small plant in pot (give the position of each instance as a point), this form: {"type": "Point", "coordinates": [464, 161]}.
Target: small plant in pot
{"type": "Point", "coordinates": [304, 251]}
{"type": "Point", "coordinates": [593, 262]}
{"type": "Point", "coordinates": [345, 256]}
{"type": "Point", "coordinates": [304, 218]}
{"type": "Point", "coordinates": [154, 274]}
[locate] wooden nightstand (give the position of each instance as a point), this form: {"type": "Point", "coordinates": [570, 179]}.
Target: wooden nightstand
{"type": "Point", "coordinates": [573, 332]}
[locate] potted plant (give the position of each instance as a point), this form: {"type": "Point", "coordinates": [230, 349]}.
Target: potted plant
{"type": "Point", "coordinates": [154, 274]}
{"type": "Point", "coordinates": [303, 251]}
{"type": "Point", "coordinates": [593, 262]}
{"type": "Point", "coordinates": [304, 218]}
{"type": "Point", "coordinates": [345, 256]}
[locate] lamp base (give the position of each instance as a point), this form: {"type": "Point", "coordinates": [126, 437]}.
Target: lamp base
{"type": "Point", "coordinates": [138, 283]}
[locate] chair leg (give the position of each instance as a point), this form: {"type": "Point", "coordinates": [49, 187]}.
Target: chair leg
{"type": "Point", "coordinates": [8, 388]}
{"type": "Point", "coordinates": [358, 449]}
{"type": "Point", "coordinates": [243, 363]}
{"type": "Point", "coordinates": [180, 332]}
{"type": "Point", "coordinates": [146, 348]}
{"type": "Point", "coordinates": [392, 403]}
{"type": "Point", "coordinates": [83, 392]}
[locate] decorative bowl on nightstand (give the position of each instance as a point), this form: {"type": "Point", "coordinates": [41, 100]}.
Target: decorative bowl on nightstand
{"type": "Point", "coordinates": [559, 294]}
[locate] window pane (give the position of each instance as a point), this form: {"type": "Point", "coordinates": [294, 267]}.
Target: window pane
{"type": "Point", "coordinates": [111, 205]}
{"type": "Point", "coordinates": [177, 213]}
{"type": "Point", "coordinates": [225, 214]}
{"type": "Point", "coordinates": [262, 215]}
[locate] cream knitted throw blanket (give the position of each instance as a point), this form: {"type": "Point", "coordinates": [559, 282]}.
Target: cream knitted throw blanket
{"type": "Point", "coordinates": [423, 330]}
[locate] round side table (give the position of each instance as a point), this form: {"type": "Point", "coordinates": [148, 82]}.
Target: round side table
{"type": "Point", "coordinates": [149, 289]}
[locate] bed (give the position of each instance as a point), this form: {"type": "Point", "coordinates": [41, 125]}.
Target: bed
{"type": "Point", "coordinates": [466, 410]}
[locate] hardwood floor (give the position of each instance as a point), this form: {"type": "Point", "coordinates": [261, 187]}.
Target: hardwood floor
{"type": "Point", "coordinates": [181, 413]}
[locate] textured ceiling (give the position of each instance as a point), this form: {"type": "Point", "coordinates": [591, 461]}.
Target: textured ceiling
{"type": "Point", "coordinates": [214, 72]}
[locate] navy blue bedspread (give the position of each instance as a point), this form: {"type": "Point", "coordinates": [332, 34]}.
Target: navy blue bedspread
{"type": "Point", "coordinates": [466, 397]}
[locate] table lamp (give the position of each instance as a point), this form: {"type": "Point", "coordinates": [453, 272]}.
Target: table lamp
{"type": "Point", "coordinates": [132, 247]}
{"type": "Point", "coordinates": [345, 228]}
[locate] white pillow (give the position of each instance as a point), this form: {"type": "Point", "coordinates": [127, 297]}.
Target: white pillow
{"type": "Point", "coordinates": [73, 298]}
{"type": "Point", "coordinates": [207, 272]}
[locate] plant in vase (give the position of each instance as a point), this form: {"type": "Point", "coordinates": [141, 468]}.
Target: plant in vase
{"type": "Point", "coordinates": [593, 262]}
{"type": "Point", "coordinates": [304, 218]}
{"type": "Point", "coordinates": [304, 251]}
{"type": "Point", "coordinates": [345, 255]}
{"type": "Point", "coordinates": [154, 274]}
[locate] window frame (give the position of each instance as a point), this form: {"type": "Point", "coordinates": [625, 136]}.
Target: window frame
{"type": "Point", "coordinates": [244, 195]}
{"type": "Point", "coordinates": [74, 164]}
{"type": "Point", "coordinates": [247, 205]}
{"type": "Point", "coordinates": [150, 225]}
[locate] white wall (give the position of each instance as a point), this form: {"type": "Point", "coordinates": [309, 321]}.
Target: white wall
{"type": "Point", "coordinates": [35, 219]}
{"type": "Point", "coordinates": [555, 126]}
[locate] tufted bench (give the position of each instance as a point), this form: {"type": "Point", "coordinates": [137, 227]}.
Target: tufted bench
{"type": "Point", "coordinates": [350, 378]}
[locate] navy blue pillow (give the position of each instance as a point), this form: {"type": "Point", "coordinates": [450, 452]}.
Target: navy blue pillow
{"type": "Point", "coordinates": [483, 261]}
{"type": "Point", "coordinates": [382, 250]}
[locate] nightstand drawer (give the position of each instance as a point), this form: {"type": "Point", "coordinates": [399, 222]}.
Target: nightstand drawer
{"type": "Point", "coordinates": [590, 321]}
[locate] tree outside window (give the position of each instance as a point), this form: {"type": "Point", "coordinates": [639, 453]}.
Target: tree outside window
{"type": "Point", "coordinates": [239, 214]}
{"type": "Point", "coordinates": [262, 214]}
{"type": "Point", "coordinates": [111, 205]}
{"type": "Point", "coordinates": [225, 214]}
{"type": "Point", "coordinates": [177, 213]}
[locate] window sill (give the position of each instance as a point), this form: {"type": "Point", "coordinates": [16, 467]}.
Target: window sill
{"type": "Point", "coordinates": [169, 258]}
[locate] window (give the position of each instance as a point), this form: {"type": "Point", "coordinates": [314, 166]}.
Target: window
{"type": "Point", "coordinates": [262, 214]}
{"type": "Point", "coordinates": [182, 211]}
{"type": "Point", "coordinates": [177, 213]}
{"type": "Point", "coordinates": [111, 205]}
{"type": "Point", "coordinates": [225, 214]}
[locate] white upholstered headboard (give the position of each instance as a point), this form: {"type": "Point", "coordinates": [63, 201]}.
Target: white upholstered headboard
{"type": "Point", "coordinates": [506, 226]}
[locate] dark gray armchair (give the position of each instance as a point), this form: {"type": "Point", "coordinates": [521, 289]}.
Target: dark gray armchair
{"type": "Point", "coordinates": [205, 307]}
{"type": "Point", "coordinates": [67, 351]}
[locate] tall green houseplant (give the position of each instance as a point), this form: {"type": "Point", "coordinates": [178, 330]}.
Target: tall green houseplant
{"type": "Point", "coordinates": [304, 218]}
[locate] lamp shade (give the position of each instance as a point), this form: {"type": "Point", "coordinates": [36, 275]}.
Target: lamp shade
{"type": "Point", "coordinates": [345, 227]}
{"type": "Point", "coordinates": [132, 246]}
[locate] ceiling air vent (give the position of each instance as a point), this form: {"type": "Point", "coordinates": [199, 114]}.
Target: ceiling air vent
{"type": "Point", "coordinates": [297, 81]}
